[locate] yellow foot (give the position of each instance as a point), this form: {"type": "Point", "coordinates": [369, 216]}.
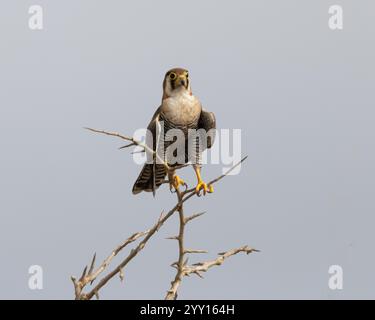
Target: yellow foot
{"type": "Point", "coordinates": [177, 182]}
{"type": "Point", "coordinates": [203, 186]}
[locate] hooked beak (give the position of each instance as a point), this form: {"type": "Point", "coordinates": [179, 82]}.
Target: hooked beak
{"type": "Point", "coordinates": [182, 81]}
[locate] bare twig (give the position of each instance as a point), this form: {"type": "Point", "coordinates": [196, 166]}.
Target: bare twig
{"type": "Point", "coordinates": [193, 216]}
{"type": "Point", "coordinates": [200, 267]}
{"type": "Point", "coordinates": [133, 143]}
{"type": "Point", "coordinates": [181, 265]}
{"type": "Point", "coordinates": [119, 269]}
{"type": "Point", "coordinates": [192, 190]}
{"type": "Point", "coordinates": [204, 266]}
{"type": "Point", "coordinates": [172, 293]}
{"type": "Point", "coordinates": [195, 251]}
{"type": "Point", "coordinates": [92, 275]}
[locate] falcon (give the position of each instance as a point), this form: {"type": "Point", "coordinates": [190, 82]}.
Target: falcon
{"type": "Point", "coordinates": [181, 110]}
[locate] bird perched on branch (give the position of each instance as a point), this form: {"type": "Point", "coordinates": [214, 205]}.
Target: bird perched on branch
{"type": "Point", "coordinates": [180, 112]}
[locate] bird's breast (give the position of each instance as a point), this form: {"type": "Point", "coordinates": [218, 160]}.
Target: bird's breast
{"type": "Point", "coordinates": [181, 110]}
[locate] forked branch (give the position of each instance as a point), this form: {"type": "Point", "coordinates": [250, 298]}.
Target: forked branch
{"type": "Point", "coordinates": [89, 275]}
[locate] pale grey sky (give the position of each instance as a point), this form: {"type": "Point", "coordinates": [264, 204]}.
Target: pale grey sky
{"type": "Point", "coordinates": [301, 93]}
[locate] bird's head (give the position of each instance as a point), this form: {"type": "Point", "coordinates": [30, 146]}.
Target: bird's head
{"type": "Point", "coordinates": [176, 81]}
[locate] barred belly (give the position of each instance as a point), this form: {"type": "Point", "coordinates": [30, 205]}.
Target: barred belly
{"type": "Point", "coordinates": [188, 151]}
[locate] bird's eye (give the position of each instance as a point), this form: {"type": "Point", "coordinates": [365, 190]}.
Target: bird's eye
{"type": "Point", "coordinates": [187, 75]}
{"type": "Point", "coordinates": [172, 76]}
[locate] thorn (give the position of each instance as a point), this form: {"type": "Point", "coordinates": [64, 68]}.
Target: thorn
{"type": "Point", "coordinates": [83, 274]}
{"type": "Point", "coordinates": [198, 274]}
{"type": "Point", "coordinates": [134, 236]}
{"type": "Point", "coordinates": [194, 251]}
{"type": "Point", "coordinates": [135, 152]}
{"type": "Point", "coordinates": [172, 238]}
{"type": "Point", "coordinates": [121, 275]}
{"type": "Point", "coordinates": [92, 264]}
{"type": "Point", "coordinates": [193, 216]}
{"type": "Point", "coordinates": [127, 145]}
{"type": "Point", "coordinates": [185, 262]}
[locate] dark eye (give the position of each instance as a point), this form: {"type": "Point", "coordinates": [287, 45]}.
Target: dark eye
{"type": "Point", "coordinates": [187, 75]}
{"type": "Point", "coordinates": [172, 76]}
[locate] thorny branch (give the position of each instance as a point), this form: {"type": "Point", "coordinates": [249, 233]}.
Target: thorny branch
{"type": "Point", "coordinates": [199, 267]}
{"type": "Point", "coordinates": [183, 269]}
{"type": "Point", "coordinates": [133, 142]}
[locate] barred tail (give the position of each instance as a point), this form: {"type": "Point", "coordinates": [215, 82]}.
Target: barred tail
{"type": "Point", "coordinates": [150, 178]}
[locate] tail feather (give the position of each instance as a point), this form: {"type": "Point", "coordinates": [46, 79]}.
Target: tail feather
{"type": "Point", "coordinates": [150, 178]}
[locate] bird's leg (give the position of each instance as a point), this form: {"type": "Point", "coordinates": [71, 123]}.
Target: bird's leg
{"type": "Point", "coordinates": [201, 184]}
{"type": "Point", "coordinates": [175, 181]}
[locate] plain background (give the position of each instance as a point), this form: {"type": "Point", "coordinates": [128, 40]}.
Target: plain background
{"type": "Point", "coordinates": [302, 94]}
